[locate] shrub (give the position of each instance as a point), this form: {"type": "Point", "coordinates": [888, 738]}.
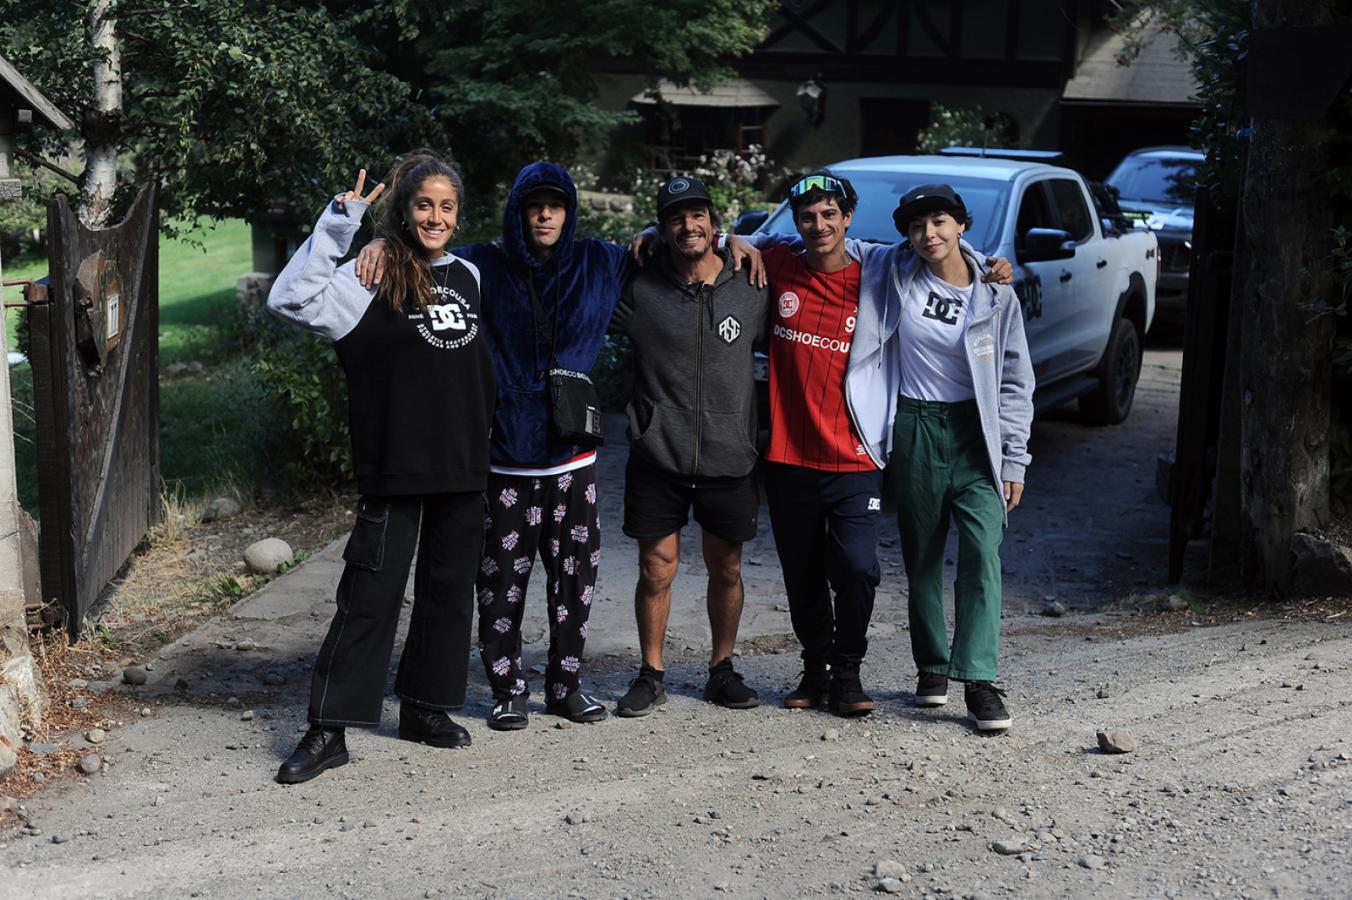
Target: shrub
{"type": "Point", "coordinates": [305, 395]}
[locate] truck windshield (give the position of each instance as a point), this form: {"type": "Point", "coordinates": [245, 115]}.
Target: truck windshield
{"type": "Point", "coordinates": [878, 195]}
{"type": "Point", "coordinates": [1157, 179]}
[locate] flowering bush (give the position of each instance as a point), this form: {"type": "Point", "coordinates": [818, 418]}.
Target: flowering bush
{"type": "Point", "coordinates": [730, 177]}
{"type": "Point", "coordinates": [968, 127]}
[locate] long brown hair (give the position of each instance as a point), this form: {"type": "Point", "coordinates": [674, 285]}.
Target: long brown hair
{"type": "Point", "coordinates": [407, 274]}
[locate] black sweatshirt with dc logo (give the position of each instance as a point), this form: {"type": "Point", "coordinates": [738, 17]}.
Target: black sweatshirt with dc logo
{"type": "Point", "coordinates": [421, 391]}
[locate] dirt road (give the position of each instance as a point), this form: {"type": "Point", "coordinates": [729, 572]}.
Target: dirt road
{"type": "Point", "coordinates": [1239, 787]}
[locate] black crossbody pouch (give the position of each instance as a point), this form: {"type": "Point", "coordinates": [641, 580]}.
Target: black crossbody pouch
{"type": "Point", "coordinates": [574, 408]}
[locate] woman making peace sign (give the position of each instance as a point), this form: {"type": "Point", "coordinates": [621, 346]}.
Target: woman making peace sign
{"type": "Point", "coordinates": [421, 394]}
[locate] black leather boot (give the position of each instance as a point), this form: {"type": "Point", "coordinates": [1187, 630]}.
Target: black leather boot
{"type": "Point", "coordinates": [320, 749]}
{"type": "Point", "coordinates": [430, 726]}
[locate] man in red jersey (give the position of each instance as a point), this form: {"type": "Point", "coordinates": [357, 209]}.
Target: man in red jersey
{"type": "Point", "coordinates": [824, 489]}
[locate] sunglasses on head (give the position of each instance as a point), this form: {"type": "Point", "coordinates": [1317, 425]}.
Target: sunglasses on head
{"type": "Point", "coordinates": [819, 183]}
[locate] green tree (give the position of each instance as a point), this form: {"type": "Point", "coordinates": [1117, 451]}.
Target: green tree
{"type": "Point", "coordinates": [242, 106]}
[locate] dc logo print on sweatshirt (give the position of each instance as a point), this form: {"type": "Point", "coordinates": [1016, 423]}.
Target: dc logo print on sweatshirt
{"type": "Point", "coordinates": [788, 304]}
{"type": "Point", "coordinates": [446, 316]}
{"type": "Point", "coordinates": [729, 329]}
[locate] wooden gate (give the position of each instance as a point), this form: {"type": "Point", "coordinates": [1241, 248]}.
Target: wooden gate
{"type": "Point", "coordinates": [95, 349]}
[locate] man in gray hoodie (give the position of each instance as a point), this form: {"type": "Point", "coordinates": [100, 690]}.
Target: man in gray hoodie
{"type": "Point", "coordinates": [692, 428]}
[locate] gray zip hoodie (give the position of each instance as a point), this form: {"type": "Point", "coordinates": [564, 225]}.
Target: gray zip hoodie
{"type": "Point", "coordinates": [693, 408]}
{"type": "Point", "coordinates": [997, 351]}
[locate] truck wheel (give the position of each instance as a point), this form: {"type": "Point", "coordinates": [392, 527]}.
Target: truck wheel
{"type": "Point", "coordinates": [1110, 402]}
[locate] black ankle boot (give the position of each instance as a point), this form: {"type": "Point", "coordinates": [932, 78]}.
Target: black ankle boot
{"type": "Point", "coordinates": [320, 749]}
{"type": "Point", "coordinates": [430, 726]}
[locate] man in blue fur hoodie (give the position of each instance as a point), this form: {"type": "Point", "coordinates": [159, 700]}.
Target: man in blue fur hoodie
{"type": "Point", "coordinates": [541, 496]}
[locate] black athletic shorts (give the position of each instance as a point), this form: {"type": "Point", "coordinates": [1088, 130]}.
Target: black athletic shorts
{"type": "Point", "coordinates": [657, 503]}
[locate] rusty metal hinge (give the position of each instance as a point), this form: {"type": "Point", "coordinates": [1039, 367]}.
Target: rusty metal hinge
{"type": "Point", "coordinates": [30, 287]}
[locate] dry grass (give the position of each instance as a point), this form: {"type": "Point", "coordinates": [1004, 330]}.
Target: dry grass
{"type": "Point", "coordinates": [71, 710]}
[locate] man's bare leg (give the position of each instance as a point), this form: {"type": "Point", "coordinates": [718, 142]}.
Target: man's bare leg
{"type": "Point", "coordinates": [724, 599]}
{"type": "Point", "coordinates": [658, 561]}
{"type": "Point", "coordinates": [724, 562]}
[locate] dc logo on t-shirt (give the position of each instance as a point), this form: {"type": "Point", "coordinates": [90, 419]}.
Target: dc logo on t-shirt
{"type": "Point", "coordinates": [729, 329]}
{"type": "Point", "coordinates": [942, 309]}
{"type": "Point", "coordinates": [788, 304]}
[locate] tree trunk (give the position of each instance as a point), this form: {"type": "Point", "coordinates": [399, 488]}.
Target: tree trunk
{"type": "Point", "coordinates": [101, 127]}
{"type": "Point", "coordinates": [1286, 366]}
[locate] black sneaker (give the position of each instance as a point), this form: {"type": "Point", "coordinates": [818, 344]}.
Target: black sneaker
{"type": "Point", "coordinates": [646, 692]}
{"type": "Point", "coordinates": [846, 695]}
{"type": "Point", "coordinates": [812, 689]}
{"type": "Point", "coordinates": [433, 727]}
{"type": "Point", "coordinates": [509, 714]}
{"type": "Point", "coordinates": [577, 707]}
{"type": "Point", "coordinates": [985, 706]}
{"type": "Point", "coordinates": [319, 749]}
{"type": "Point", "coordinates": [931, 689]}
{"type": "Point", "coordinates": [725, 688]}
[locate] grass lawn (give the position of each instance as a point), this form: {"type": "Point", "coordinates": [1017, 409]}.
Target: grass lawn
{"type": "Point", "coordinates": [210, 424]}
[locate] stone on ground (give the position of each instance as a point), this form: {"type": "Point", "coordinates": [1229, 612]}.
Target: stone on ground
{"type": "Point", "coordinates": [263, 557]}
{"type": "Point", "coordinates": [1117, 740]}
{"type": "Point", "coordinates": [221, 508]}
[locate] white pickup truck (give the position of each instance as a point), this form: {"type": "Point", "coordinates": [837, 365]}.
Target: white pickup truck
{"type": "Point", "coordinates": [1086, 277]}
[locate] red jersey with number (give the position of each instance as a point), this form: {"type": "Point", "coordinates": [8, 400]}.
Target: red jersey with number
{"type": "Point", "coordinates": [812, 327]}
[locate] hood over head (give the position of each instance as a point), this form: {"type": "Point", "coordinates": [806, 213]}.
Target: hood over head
{"type": "Point", "coordinates": [538, 175]}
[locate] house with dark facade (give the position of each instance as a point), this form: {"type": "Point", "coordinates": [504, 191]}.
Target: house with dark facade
{"type": "Point", "coordinates": [836, 79]}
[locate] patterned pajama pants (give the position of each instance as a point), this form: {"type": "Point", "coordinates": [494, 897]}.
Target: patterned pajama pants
{"type": "Point", "coordinates": [555, 516]}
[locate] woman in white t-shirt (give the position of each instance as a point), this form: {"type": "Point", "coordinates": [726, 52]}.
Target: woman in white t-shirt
{"type": "Point", "coordinates": [959, 446]}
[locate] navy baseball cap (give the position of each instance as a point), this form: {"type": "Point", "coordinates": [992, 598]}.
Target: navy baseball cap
{"type": "Point", "coordinates": [681, 190]}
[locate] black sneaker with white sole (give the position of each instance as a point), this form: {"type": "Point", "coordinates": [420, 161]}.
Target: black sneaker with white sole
{"type": "Point", "coordinates": [646, 693]}
{"type": "Point", "coordinates": [931, 689]}
{"type": "Point", "coordinates": [577, 707]}
{"type": "Point", "coordinates": [985, 706]}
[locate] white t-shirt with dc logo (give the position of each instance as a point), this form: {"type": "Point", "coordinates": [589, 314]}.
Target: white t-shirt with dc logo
{"type": "Point", "coordinates": [933, 355]}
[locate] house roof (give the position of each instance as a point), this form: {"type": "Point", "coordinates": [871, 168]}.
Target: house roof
{"type": "Point", "coordinates": [738, 93]}
{"type": "Point", "coordinates": [29, 97]}
{"type": "Point", "coordinates": [1159, 76]}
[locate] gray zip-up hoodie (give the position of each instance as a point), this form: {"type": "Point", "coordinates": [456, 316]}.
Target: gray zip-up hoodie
{"type": "Point", "coordinates": [693, 407]}
{"type": "Point", "coordinates": [997, 354]}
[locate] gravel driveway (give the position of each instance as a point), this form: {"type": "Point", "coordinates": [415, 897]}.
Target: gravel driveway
{"type": "Point", "coordinates": [1239, 787]}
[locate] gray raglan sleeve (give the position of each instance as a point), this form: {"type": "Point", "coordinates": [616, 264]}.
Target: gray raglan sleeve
{"type": "Point", "coordinates": [313, 291]}
{"type": "Point", "coordinates": [1016, 398]}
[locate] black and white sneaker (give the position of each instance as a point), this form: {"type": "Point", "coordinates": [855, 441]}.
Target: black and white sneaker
{"type": "Point", "coordinates": [509, 714]}
{"type": "Point", "coordinates": [985, 706]}
{"type": "Point", "coordinates": [646, 693]}
{"type": "Point", "coordinates": [577, 707]}
{"type": "Point", "coordinates": [931, 689]}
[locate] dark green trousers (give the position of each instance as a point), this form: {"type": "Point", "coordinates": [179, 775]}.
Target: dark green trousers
{"type": "Point", "coordinates": [939, 471]}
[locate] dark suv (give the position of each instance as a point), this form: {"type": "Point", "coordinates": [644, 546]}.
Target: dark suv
{"type": "Point", "coordinates": [1159, 186]}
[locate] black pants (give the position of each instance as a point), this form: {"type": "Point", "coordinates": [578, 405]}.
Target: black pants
{"type": "Point", "coordinates": [556, 518]}
{"type": "Point", "coordinates": [826, 527]}
{"type": "Point", "coordinates": [349, 678]}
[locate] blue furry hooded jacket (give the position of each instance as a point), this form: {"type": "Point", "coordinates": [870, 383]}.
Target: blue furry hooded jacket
{"type": "Point", "coordinates": [578, 286]}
